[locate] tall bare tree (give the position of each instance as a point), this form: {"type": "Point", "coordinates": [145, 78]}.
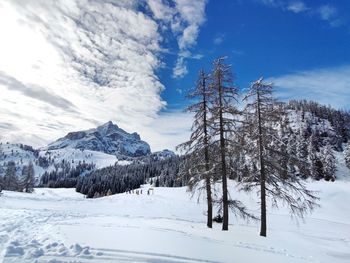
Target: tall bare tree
{"type": "Point", "coordinates": [272, 155]}
{"type": "Point", "coordinates": [223, 122]}
{"type": "Point", "coordinates": [197, 148]}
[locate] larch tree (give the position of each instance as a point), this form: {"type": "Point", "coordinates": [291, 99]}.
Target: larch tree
{"type": "Point", "coordinates": [197, 149]}
{"type": "Point", "coordinates": [224, 117]}
{"type": "Point", "coordinates": [274, 156]}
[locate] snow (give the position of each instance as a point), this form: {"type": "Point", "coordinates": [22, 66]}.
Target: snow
{"type": "Point", "coordinates": [60, 225]}
{"type": "Point", "coordinates": [107, 138]}
{"type": "Point", "coordinates": [342, 172]}
{"type": "Point", "coordinates": [99, 158]}
{"type": "Point", "coordinates": [13, 152]}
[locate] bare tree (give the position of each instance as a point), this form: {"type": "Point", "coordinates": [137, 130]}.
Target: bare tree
{"type": "Point", "coordinates": [197, 148]}
{"type": "Point", "coordinates": [223, 122]}
{"type": "Point", "coordinates": [273, 156]}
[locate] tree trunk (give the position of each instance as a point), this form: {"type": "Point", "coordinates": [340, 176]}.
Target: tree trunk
{"type": "Point", "coordinates": [223, 162]}
{"type": "Point", "coordinates": [210, 204]}
{"type": "Point", "coordinates": [262, 173]}
{"type": "Point", "coordinates": [206, 156]}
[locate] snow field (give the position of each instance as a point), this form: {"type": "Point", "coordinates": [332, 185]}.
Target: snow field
{"type": "Point", "coordinates": [60, 225]}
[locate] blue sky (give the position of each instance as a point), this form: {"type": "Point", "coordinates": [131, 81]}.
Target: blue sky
{"type": "Point", "coordinates": [72, 65]}
{"type": "Point", "coordinates": [271, 39]}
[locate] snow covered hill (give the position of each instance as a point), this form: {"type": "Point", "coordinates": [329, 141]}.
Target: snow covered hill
{"type": "Point", "coordinates": [107, 138]}
{"type": "Point", "coordinates": [60, 225]}
{"type": "Point", "coordinates": [49, 160]}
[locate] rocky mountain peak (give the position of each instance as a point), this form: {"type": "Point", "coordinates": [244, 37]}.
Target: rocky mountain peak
{"type": "Point", "coordinates": [107, 138]}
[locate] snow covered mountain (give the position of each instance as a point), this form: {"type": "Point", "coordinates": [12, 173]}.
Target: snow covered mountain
{"type": "Point", "coordinates": [107, 138]}
{"type": "Point", "coordinates": [79, 152]}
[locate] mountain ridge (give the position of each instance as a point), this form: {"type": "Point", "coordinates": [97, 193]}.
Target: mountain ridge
{"type": "Point", "coordinates": [107, 138]}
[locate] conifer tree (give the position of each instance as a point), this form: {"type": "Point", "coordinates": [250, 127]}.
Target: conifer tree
{"type": "Point", "coordinates": [266, 148]}
{"type": "Point", "coordinates": [29, 178]}
{"type": "Point", "coordinates": [302, 155]}
{"type": "Point", "coordinates": [347, 155]}
{"type": "Point", "coordinates": [329, 163]}
{"type": "Point", "coordinates": [315, 164]}
{"type": "Point", "coordinates": [10, 178]}
{"type": "Point", "coordinates": [224, 118]}
{"type": "Point", "coordinates": [197, 148]}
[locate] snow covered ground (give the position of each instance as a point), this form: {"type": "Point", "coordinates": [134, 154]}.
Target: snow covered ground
{"type": "Point", "coordinates": [60, 225]}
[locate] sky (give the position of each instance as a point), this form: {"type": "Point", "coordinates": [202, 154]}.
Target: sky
{"type": "Point", "coordinates": [70, 65]}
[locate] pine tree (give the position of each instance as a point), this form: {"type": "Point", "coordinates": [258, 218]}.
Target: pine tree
{"type": "Point", "coordinates": [302, 155]}
{"type": "Point", "coordinates": [329, 163]}
{"type": "Point", "coordinates": [10, 178]}
{"type": "Point", "coordinates": [347, 155]}
{"type": "Point", "coordinates": [313, 159]}
{"type": "Point", "coordinates": [291, 153]}
{"type": "Point", "coordinates": [197, 148]}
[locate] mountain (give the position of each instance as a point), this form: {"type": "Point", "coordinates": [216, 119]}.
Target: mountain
{"type": "Point", "coordinates": [78, 153]}
{"type": "Point", "coordinates": [107, 138]}
{"type": "Point", "coordinates": [308, 128]}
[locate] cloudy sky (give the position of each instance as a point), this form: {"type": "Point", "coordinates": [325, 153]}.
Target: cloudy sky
{"type": "Point", "coordinates": [69, 65]}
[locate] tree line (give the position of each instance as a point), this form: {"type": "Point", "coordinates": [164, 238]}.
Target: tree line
{"type": "Point", "coordinates": [121, 178]}
{"type": "Point", "coordinates": [12, 182]}
{"type": "Point", "coordinates": [65, 174]}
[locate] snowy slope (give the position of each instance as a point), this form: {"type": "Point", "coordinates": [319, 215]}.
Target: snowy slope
{"type": "Point", "coordinates": [60, 225]}
{"type": "Point", "coordinates": [75, 156]}
{"type": "Point", "coordinates": [23, 156]}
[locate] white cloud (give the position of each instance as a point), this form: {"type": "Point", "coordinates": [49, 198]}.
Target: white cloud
{"type": "Point", "coordinates": [71, 65]}
{"type": "Point", "coordinates": [193, 15]}
{"type": "Point", "coordinates": [184, 19]}
{"type": "Point", "coordinates": [169, 130]}
{"type": "Point", "coordinates": [180, 69]}
{"type": "Point", "coordinates": [325, 12]}
{"type": "Point", "coordinates": [297, 7]}
{"type": "Point", "coordinates": [161, 11]}
{"type": "Point", "coordinates": [329, 86]}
